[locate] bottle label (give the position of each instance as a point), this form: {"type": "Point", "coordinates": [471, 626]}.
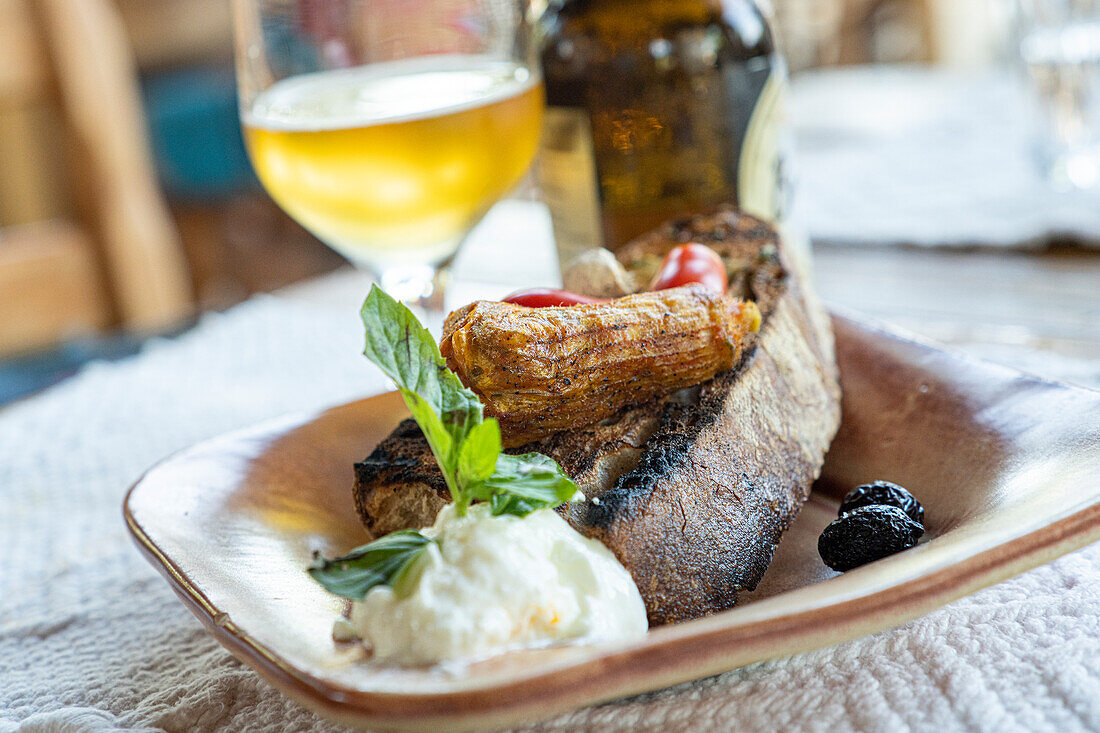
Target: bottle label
{"type": "Point", "coordinates": [568, 178]}
{"type": "Point", "coordinates": [760, 175]}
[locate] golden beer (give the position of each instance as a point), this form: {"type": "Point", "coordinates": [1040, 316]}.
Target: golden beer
{"type": "Point", "coordinates": [395, 162]}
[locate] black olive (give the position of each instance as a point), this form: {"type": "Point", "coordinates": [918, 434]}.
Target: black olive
{"type": "Point", "coordinates": [867, 534]}
{"type": "Point", "coordinates": [882, 492]}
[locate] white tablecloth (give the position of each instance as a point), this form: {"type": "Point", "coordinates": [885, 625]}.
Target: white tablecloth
{"type": "Point", "coordinates": [91, 639]}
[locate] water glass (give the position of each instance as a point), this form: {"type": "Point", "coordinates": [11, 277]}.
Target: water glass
{"type": "Point", "coordinates": [1059, 43]}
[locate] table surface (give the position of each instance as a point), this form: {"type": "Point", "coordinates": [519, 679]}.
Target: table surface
{"type": "Point", "coordinates": [92, 639]}
{"type": "Point", "coordinates": [1047, 301]}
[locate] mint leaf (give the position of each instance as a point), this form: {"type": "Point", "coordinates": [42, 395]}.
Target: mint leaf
{"type": "Point", "coordinates": [381, 562]}
{"type": "Point", "coordinates": [477, 458]}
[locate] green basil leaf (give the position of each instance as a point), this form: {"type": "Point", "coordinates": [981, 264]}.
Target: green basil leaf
{"type": "Point", "coordinates": [402, 348]}
{"type": "Point", "coordinates": [477, 459]}
{"type": "Point", "coordinates": [535, 482]}
{"type": "Point", "coordinates": [377, 563]}
{"type": "Point", "coordinates": [435, 432]}
{"type": "Point", "coordinates": [462, 408]}
{"type": "Point", "coordinates": [405, 580]}
{"type": "Point", "coordinates": [514, 505]}
{"type": "Point", "coordinates": [408, 354]}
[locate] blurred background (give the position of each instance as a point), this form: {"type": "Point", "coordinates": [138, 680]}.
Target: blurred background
{"type": "Point", "coordinates": [128, 206]}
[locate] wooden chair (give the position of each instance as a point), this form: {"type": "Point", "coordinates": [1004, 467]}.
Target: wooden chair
{"type": "Point", "coordinates": [86, 239]}
{"type": "Point", "coordinates": [865, 21]}
{"type": "Point", "coordinates": [170, 33]}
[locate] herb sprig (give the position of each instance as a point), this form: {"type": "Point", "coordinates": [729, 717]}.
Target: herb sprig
{"type": "Point", "coordinates": [466, 445]}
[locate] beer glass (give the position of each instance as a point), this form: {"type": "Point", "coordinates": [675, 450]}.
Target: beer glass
{"type": "Point", "coordinates": [388, 128]}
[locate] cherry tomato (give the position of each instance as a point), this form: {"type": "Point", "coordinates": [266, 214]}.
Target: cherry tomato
{"type": "Point", "coordinates": [548, 298]}
{"type": "Point", "coordinates": [691, 263]}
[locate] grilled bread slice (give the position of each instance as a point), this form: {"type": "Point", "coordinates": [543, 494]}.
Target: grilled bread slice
{"type": "Point", "coordinates": [691, 491]}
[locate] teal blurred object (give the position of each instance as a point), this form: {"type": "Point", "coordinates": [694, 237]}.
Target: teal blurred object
{"type": "Point", "coordinates": [196, 134]}
{"type": "Point", "coordinates": [23, 376]}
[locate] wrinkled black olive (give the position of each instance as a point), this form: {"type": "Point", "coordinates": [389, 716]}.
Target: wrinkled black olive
{"type": "Point", "coordinates": [867, 534]}
{"type": "Point", "coordinates": [882, 492]}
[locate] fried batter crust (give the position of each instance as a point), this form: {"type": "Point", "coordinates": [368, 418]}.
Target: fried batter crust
{"type": "Point", "coordinates": [541, 370]}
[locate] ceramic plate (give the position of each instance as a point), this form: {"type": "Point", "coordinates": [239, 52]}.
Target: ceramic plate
{"type": "Point", "coordinates": [1005, 463]}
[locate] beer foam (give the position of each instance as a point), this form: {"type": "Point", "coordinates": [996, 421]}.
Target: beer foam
{"type": "Point", "coordinates": [387, 93]}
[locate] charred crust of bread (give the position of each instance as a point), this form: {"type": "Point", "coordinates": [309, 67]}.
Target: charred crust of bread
{"type": "Point", "coordinates": [403, 459]}
{"type": "Point", "coordinates": [663, 453]}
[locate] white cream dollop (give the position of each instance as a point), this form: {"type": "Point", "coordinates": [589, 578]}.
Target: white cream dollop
{"type": "Point", "coordinates": [489, 584]}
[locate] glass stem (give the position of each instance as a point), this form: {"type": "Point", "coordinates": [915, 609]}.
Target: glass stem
{"type": "Point", "coordinates": [422, 287]}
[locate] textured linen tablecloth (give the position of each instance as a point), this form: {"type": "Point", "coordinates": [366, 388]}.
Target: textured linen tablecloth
{"type": "Point", "coordinates": [92, 639]}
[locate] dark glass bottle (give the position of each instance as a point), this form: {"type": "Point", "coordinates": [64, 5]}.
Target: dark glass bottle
{"type": "Point", "coordinates": [658, 108]}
